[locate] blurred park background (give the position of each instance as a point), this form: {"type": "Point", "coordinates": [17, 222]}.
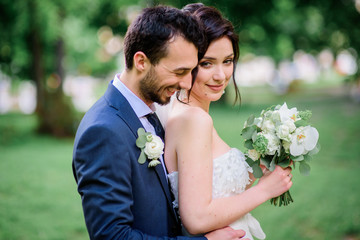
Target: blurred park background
{"type": "Point", "coordinates": [57, 58]}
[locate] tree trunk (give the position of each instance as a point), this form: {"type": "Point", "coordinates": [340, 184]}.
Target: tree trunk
{"type": "Point", "coordinates": [55, 112]}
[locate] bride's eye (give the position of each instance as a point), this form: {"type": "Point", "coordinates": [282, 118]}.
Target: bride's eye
{"type": "Point", "coordinates": [229, 61]}
{"type": "Point", "coordinates": [205, 64]}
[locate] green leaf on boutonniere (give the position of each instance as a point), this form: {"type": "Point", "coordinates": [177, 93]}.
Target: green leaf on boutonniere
{"type": "Point", "coordinates": [142, 157]}
{"type": "Point", "coordinates": [154, 163]}
{"type": "Point", "coordinates": [141, 140]}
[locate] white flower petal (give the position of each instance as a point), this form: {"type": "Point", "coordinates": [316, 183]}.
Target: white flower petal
{"type": "Point", "coordinates": [296, 149]}
{"type": "Point", "coordinates": [312, 136]}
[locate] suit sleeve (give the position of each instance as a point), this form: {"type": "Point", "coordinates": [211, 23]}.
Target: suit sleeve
{"type": "Point", "coordinates": [106, 193]}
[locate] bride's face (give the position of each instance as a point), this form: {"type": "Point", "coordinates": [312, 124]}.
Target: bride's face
{"type": "Point", "coordinates": [215, 71]}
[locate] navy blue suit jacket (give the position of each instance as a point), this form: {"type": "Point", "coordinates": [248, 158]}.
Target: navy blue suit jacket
{"type": "Point", "coordinates": [121, 198]}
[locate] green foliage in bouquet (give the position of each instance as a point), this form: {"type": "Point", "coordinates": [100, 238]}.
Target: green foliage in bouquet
{"type": "Point", "coordinates": [283, 137]}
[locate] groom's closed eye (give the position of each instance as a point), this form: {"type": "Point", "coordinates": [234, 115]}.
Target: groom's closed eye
{"type": "Point", "coordinates": [182, 72]}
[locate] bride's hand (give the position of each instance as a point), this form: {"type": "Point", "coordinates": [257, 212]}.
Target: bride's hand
{"type": "Point", "coordinates": [276, 182]}
{"type": "Point", "coordinates": [226, 233]}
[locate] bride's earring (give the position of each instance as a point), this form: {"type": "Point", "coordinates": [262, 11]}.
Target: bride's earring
{"type": "Point", "coordinates": [183, 95]}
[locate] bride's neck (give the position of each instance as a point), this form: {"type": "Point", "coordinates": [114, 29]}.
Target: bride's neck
{"type": "Point", "coordinates": [195, 102]}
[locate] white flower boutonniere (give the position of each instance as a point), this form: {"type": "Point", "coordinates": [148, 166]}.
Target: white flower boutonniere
{"type": "Point", "coordinates": [152, 147]}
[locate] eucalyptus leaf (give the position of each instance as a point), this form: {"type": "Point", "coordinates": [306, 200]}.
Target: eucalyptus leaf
{"type": "Point", "coordinates": [304, 168]}
{"type": "Point", "coordinates": [301, 123]}
{"type": "Point", "coordinates": [141, 131]}
{"type": "Point", "coordinates": [142, 157]}
{"type": "Point", "coordinates": [250, 120]}
{"type": "Point", "coordinates": [248, 144]}
{"type": "Point", "coordinates": [141, 141]}
{"type": "Point", "coordinates": [248, 132]}
{"type": "Point", "coordinates": [272, 165]}
{"type": "Point", "coordinates": [266, 162]}
{"type": "Point", "coordinates": [285, 163]}
{"type": "Point", "coordinates": [315, 150]}
{"type": "Point", "coordinates": [253, 137]}
{"type": "Point", "coordinates": [307, 158]}
{"type": "Point", "coordinates": [297, 158]}
{"type": "Point", "coordinates": [250, 161]}
{"type": "Point", "coordinates": [257, 171]}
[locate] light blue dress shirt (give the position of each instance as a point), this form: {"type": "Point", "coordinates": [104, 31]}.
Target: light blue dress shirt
{"type": "Point", "coordinates": [139, 107]}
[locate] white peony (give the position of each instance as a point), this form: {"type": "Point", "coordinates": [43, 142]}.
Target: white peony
{"type": "Point", "coordinates": [284, 130]}
{"type": "Point", "coordinates": [268, 126]}
{"type": "Point", "coordinates": [273, 144]}
{"type": "Point", "coordinates": [154, 148]}
{"type": "Point", "coordinates": [303, 140]}
{"type": "Point", "coordinates": [275, 117]}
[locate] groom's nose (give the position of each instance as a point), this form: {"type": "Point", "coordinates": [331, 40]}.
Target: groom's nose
{"type": "Point", "coordinates": [186, 81]}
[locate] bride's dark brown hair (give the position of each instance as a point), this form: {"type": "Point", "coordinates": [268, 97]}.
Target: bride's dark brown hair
{"type": "Point", "coordinates": [215, 27]}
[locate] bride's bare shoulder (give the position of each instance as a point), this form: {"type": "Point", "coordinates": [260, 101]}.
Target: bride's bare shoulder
{"type": "Point", "coordinates": [189, 116]}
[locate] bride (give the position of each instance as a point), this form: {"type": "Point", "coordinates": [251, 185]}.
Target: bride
{"type": "Point", "coordinates": [210, 180]}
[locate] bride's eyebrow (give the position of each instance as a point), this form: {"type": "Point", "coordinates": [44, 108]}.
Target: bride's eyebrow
{"type": "Point", "coordinates": [213, 58]}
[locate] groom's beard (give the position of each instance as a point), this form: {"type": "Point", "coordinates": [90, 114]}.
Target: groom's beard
{"type": "Point", "coordinates": [151, 89]}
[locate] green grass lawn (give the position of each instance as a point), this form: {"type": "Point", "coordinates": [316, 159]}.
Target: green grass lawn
{"type": "Point", "coordinates": [38, 197]}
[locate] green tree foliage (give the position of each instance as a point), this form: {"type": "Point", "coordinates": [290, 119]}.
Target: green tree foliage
{"type": "Point", "coordinates": [43, 40]}
{"type": "Point", "coordinates": [278, 28]}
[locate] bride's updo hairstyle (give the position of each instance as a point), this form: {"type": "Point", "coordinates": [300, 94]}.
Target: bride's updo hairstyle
{"type": "Point", "coordinates": [215, 27]}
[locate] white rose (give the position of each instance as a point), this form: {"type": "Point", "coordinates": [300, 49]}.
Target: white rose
{"type": "Point", "coordinates": [155, 148]}
{"type": "Point", "coordinates": [275, 117]}
{"type": "Point", "coordinates": [273, 144]}
{"type": "Point", "coordinates": [284, 130]}
{"type": "Point", "coordinates": [303, 140]}
{"type": "Point", "coordinates": [253, 154]}
{"type": "Point", "coordinates": [290, 124]}
{"type": "Point", "coordinates": [268, 126]}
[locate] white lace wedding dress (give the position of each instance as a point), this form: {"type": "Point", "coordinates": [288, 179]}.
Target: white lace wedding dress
{"type": "Point", "coordinates": [230, 177]}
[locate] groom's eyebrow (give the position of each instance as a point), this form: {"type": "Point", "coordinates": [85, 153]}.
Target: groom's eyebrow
{"type": "Point", "coordinates": [182, 69]}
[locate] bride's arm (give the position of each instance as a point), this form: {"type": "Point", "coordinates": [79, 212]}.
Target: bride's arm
{"type": "Point", "coordinates": [199, 212]}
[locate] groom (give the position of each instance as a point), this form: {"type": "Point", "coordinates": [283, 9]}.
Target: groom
{"type": "Point", "coordinates": [122, 198]}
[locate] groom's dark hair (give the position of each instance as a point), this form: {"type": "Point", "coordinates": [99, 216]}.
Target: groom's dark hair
{"type": "Point", "coordinates": [154, 27]}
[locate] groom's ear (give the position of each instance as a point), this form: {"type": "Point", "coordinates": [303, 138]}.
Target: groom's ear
{"type": "Point", "coordinates": [141, 62]}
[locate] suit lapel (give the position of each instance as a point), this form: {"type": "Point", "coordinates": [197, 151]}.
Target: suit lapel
{"type": "Point", "coordinates": [116, 100]}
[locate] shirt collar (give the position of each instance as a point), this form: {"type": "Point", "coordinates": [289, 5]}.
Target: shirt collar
{"type": "Point", "coordinates": [139, 107]}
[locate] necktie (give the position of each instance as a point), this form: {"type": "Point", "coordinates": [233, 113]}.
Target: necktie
{"type": "Point", "coordinates": [154, 120]}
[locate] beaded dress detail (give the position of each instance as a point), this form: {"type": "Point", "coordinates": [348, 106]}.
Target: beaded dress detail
{"type": "Point", "coordinates": [230, 177]}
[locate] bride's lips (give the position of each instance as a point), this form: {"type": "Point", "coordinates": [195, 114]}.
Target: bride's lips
{"type": "Point", "coordinates": [216, 88]}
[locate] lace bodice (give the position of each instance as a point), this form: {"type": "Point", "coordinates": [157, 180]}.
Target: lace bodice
{"type": "Point", "coordinates": [230, 177]}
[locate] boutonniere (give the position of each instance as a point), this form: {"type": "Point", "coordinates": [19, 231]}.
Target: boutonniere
{"type": "Point", "coordinates": [152, 147]}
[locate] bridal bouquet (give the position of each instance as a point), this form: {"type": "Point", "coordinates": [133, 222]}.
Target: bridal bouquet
{"type": "Point", "coordinates": [280, 136]}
